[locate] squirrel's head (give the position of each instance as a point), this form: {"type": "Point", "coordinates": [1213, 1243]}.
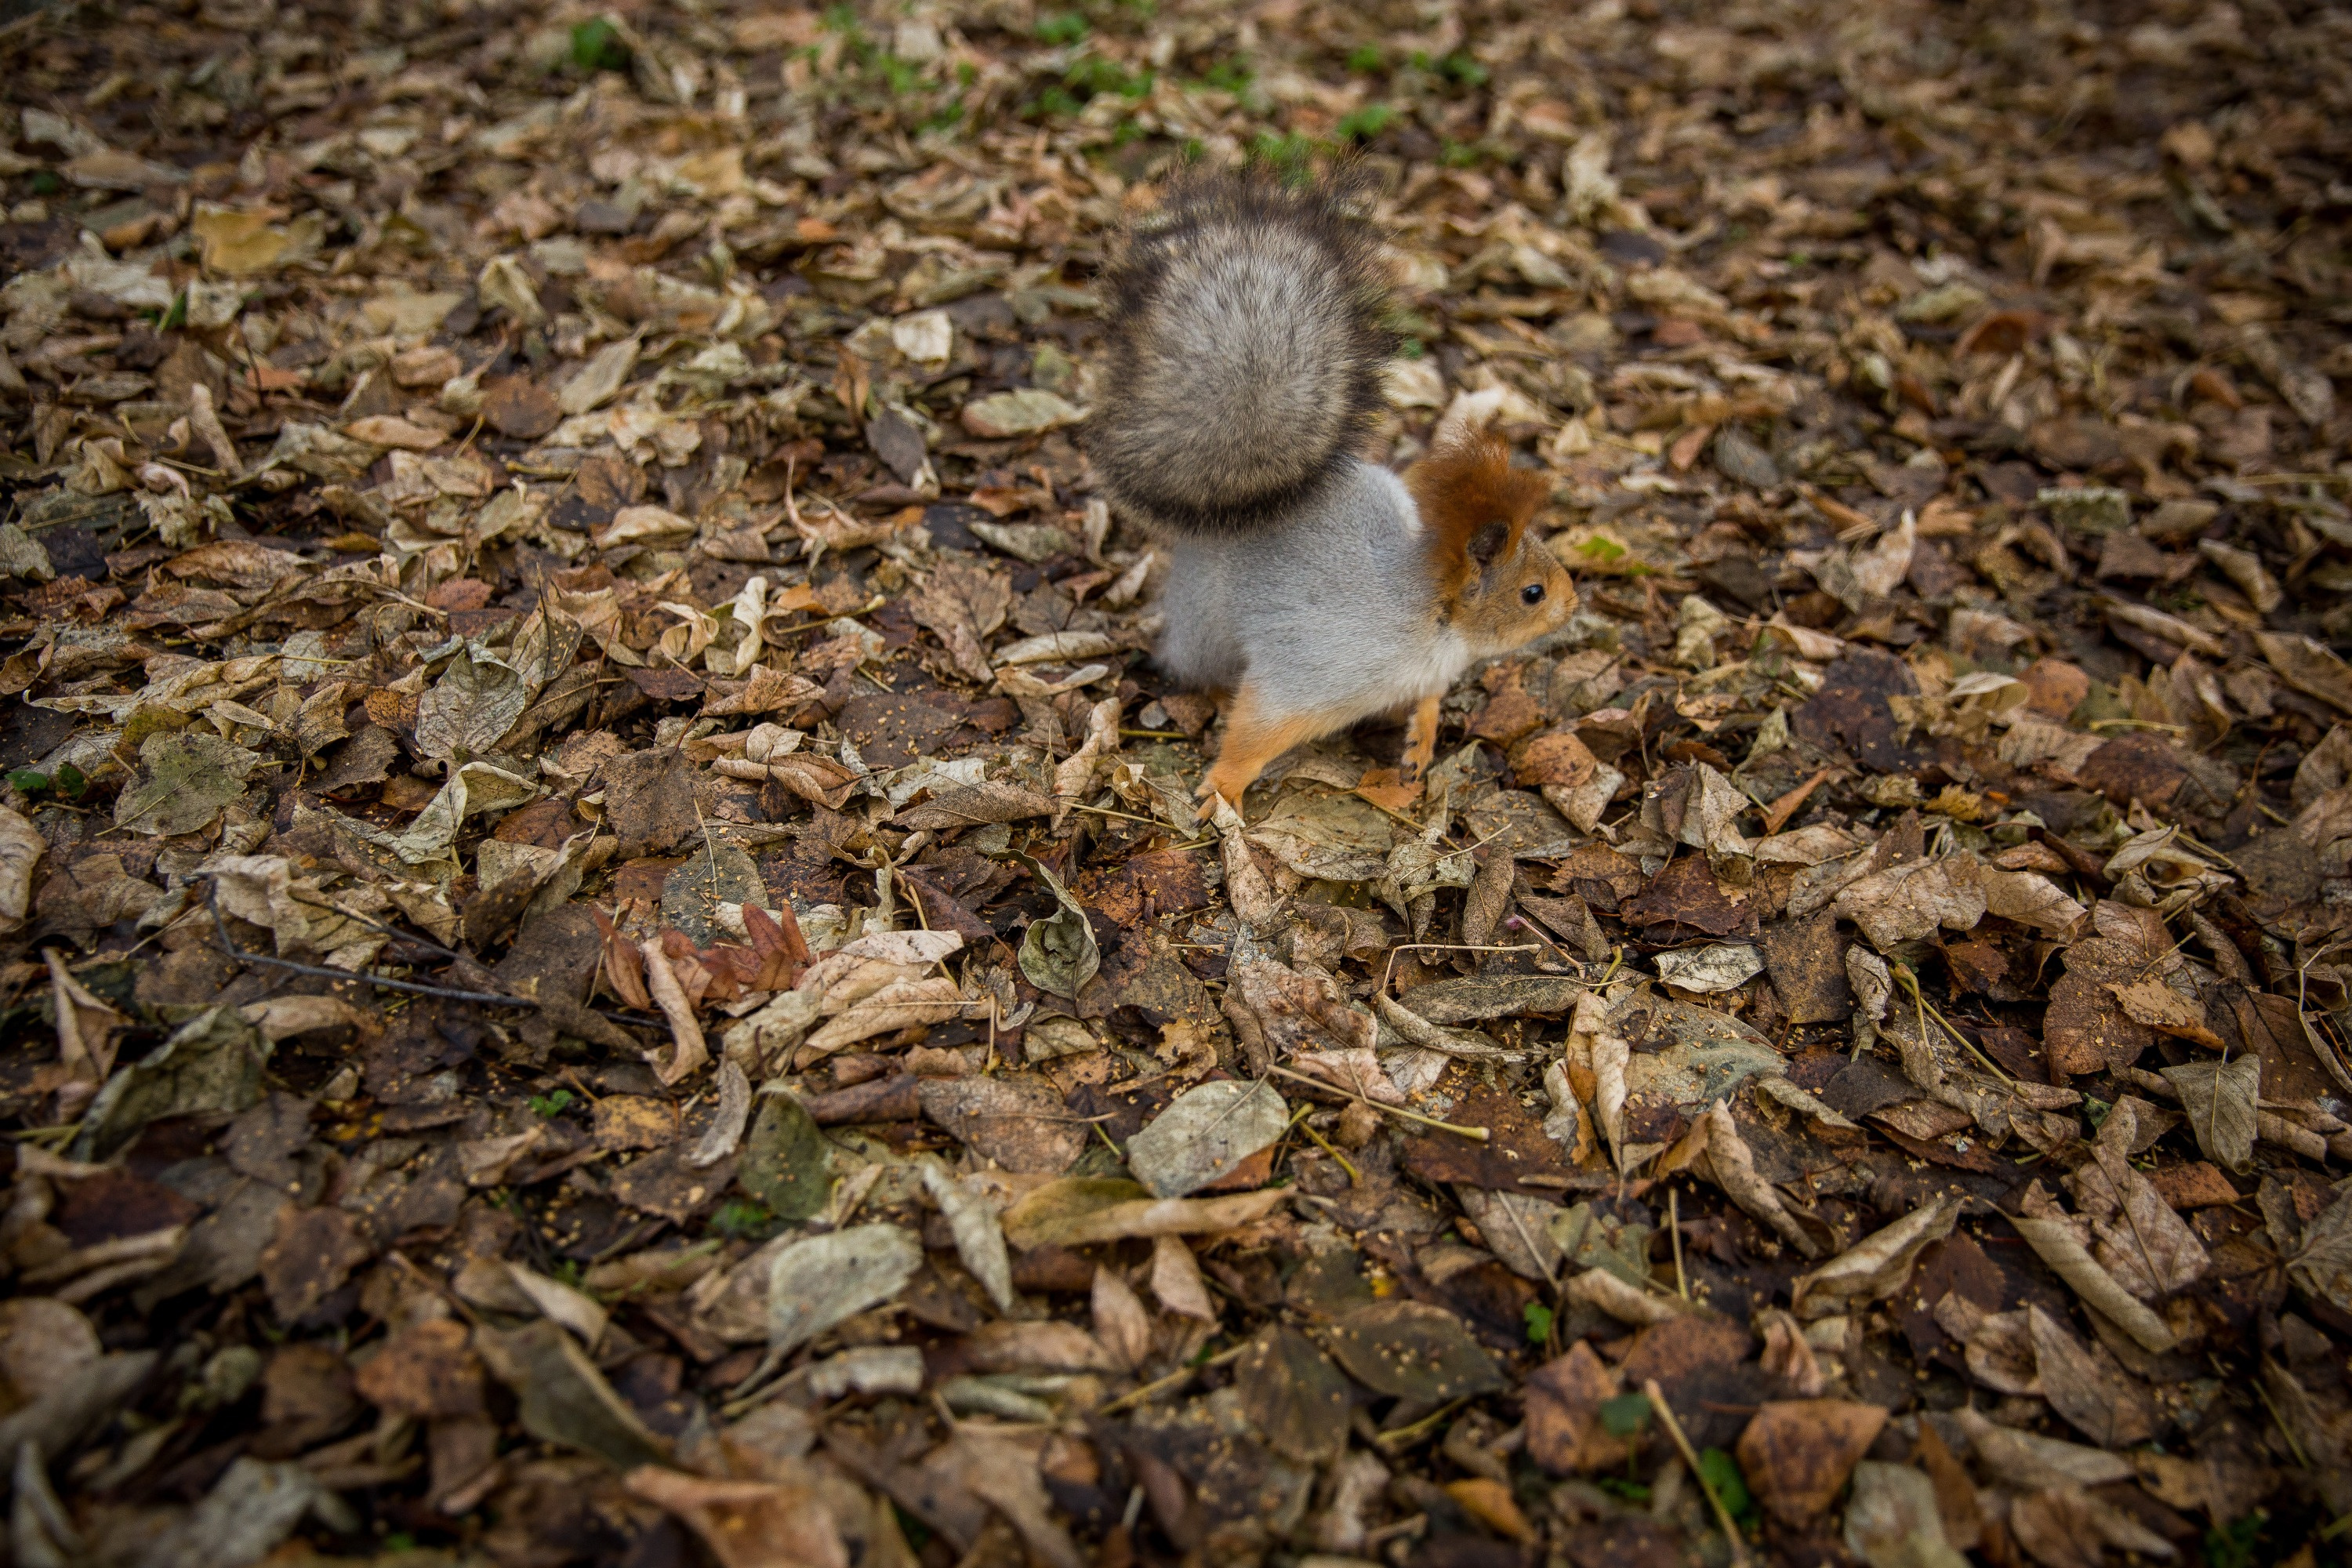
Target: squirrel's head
{"type": "Point", "coordinates": [1497, 583]}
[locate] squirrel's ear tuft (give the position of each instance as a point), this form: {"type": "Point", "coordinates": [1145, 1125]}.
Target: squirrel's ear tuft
{"type": "Point", "coordinates": [1474, 505]}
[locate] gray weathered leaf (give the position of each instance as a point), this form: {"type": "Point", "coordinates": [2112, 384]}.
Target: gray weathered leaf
{"type": "Point", "coordinates": [786, 1162]}
{"type": "Point", "coordinates": [1875, 1266]}
{"type": "Point", "coordinates": [1204, 1135]}
{"type": "Point", "coordinates": [213, 1062]}
{"type": "Point", "coordinates": [1059, 954]}
{"type": "Point", "coordinates": [1717, 968]}
{"type": "Point", "coordinates": [1588, 1238]}
{"type": "Point", "coordinates": [714, 874]}
{"type": "Point", "coordinates": [2219, 1098]}
{"type": "Point", "coordinates": [1892, 1521]}
{"type": "Point", "coordinates": [190, 777]}
{"type": "Point", "coordinates": [1514, 1224]}
{"type": "Point", "coordinates": [2324, 1266]}
{"type": "Point", "coordinates": [979, 1233]}
{"type": "Point", "coordinates": [471, 707]}
{"type": "Point", "coordinates": [253, 1507]}
{"type": "Point", "coordinates": [826, 1281]}
{"type": "Point", "coordinates": [563, 1398]}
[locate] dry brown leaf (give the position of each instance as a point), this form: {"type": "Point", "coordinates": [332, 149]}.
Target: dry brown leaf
{"type": "Point", "coordinates": [1797, 1454]}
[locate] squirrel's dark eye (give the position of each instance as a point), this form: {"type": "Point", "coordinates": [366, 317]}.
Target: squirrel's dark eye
{"type": "Point", "coordinates": [1532, 594]}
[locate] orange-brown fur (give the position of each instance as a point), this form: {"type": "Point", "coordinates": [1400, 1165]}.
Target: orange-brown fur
{"type": "Point", "coordinates": [1475, 508]}
{"type": "Point", "coordinates": [1463, 490]}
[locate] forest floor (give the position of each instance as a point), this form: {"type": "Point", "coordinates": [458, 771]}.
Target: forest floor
{"type": "Point", "coordinates": [609, 956]}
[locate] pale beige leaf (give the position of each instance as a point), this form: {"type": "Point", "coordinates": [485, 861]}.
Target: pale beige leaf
{"type": "Point", "coordinates": [2028, 1459]}
{"type": "Point", "coordinates": [1121, 1321]}
{"type": "Point", "coordinates": [979, 1234]}
{"type": "Point", "coordinates": [2055, 1241]}
{"type": "Point", "coordinates": [1176, 1279]}
{"type": "Point", "coordinates": [1874, 1267]}
{"type": "Point", "coordinates": [1906, 902]}
{"type": "Point", "coordinates": [2083, 1383]}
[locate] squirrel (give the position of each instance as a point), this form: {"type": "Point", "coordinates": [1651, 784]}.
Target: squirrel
{"type": "Point", "coordinates": [1308, 588]}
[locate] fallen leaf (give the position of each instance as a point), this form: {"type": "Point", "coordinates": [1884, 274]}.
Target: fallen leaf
{"type": "Point", "coordinates": [1706, 970]}
{"type": "Point", "coordinates": [748, 1523]}
{"type": "Point", "coordinates": [190, 778]}
{"type": "Point", "coordinates": [979, 1234]}
{"type": "Point", "coordinates": [1080, 1211]}
{"type": "Point", "coordinates": [1564, 1396]}
{"type": "Point", "coordinates": [1415, 1351]}
{"type": "Point", "coordinates": [786, 1162]}
{"type": "Point", "coordinates": [824, 1280]}
{"type": "Point", "coordinates": [1058, 953]}
{"type": "Point", "coordinates": [2083, 1385]}
{"type": "Point", "coordinates": [1875, 1268]}
{"type": "Point", "coordinates": [1797, 1454]}
{"type": "Point", "coordinates": [1892, 1521]}
{"type": "Point", "coordinates": [1204, 1135]}
{"type": "Point", "coordinates": [564, 1399]}
{"type": "Point", "coordinates": [1026, 412]}
{"type": "Point", "coordinates": [2059, 1248]}
{"type": "Point", "coordinates": [2219, 1097]}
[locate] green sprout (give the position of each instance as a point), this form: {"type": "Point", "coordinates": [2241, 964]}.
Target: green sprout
{"type": "Point", "coordinates": [1363, 124]}
{"type": "Point", "coordinates": [1366, 59]}
{"type": "Point", "coordinates": [551, 1105]}
{"type": "Point", "coordinates": [1062, 27]}
{"type": "Point", "coordinates": [1624, 1418]}
{"type": "Point", "coordinates": [596, 45]}
{"type": "Point", "coordinates": [69, 780]}
{"type": "Point", "coordinates": [1539, 1319]}
{"type": "Point", "coordinates": [2232, 1545]}
{"type": "Point", "coordinates": [1721, 1472]}
{"type": "Point", "coordinates": [744, 1218]}
{"type": "Point", "coordinates": [1228, 76]}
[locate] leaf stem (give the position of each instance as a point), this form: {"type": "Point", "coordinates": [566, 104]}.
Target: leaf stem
{"type": "Point", "coordinates": [1475, 1134]}
{"type": "Point", "coordinates": [1690, 1457]}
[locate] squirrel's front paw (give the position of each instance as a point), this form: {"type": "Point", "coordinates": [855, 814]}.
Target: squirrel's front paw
{"type": "Point", "coordinates": [1215, 785]}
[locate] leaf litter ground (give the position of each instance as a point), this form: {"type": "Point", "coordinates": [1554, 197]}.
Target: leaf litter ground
{"type": "Point", "coordinates": [610, 958]}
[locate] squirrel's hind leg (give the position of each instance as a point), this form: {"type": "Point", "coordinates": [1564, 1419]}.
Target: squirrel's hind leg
{"type": "Point", "coordinates": [1254, 737]}
{"type": "Point", "coordinates": [1419, 741]}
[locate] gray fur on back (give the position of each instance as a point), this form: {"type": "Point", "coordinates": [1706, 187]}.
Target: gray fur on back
{"type": "Point", "coordinates": [1245, 356]}
{"type": "Point", "coordinates": [1267, 605]}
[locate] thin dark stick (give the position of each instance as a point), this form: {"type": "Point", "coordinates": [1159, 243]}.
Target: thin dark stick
{"type": "Point", "coordinates": [395, 933]}
{"type": "Point", "coordinates": [230, 948]}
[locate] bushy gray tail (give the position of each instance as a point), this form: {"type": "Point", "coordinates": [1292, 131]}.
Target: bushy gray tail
{"type": "Point", "coordinates": [1246, 354]}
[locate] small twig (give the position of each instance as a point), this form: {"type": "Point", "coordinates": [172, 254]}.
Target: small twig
{"type": "Point", "coordinates": [1162, 1385]}
{"type": "Point", "coordinates": [231, 950]}
{"type": "Point", "coordinates": [1355, 1178]}
{"type": "Point", "coordinates": [1405, 1436]}
{"type": "Point", "coordinates": [1910, 982]}
{"type": "Point", "coordinates": [1475, 1134]}
{"type": "Point", "coordinates": [1674, 1224]}
{"type": "Point", "coordinates": [1124, 816]}
{"type": "Point", "coordinates": [1690, 1457]}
